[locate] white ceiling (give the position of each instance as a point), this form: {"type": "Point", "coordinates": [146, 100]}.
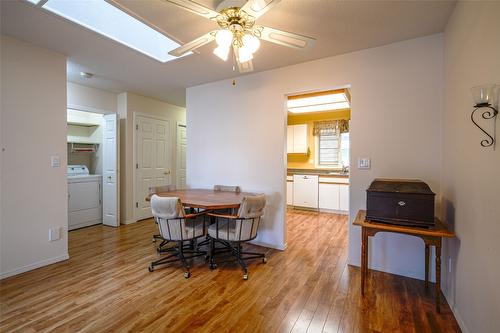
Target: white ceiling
{"type": "Point", "coordinates": [338, 26]}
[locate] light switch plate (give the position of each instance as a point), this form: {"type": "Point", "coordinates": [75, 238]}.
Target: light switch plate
{"type": "Point", "coordinates": [55, 161]}
{"type": "Point", "coordinates": [54, 234]}
{"type": "Point", "coordinates": [364, 163]}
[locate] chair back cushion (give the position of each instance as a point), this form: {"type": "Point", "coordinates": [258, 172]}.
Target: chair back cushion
{"type": "Point", "coordinates": [252, 206]}
{"type": "Point", "coordinates": [226, 188]}
{"type": "Point", "coordinates": [158, 189]}
{"type": "Point", "coordinates": [166, 207]}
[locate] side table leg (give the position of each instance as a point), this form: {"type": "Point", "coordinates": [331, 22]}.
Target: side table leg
{"type": "Point", "coordinates": [364, 258]}
{"type": "Point", "coordinates": [438, 275]}
{"type": "Point", "coordinates": [427, 248]}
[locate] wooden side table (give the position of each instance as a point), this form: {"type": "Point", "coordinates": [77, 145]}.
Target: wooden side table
{"type": "Point", "coordinates": [431, 237]}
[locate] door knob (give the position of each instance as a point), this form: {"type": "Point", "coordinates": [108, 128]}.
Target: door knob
{"type": "Point", "coordinates": [109, 177]}
{"type": "Point", "coordinates": [167, 172]}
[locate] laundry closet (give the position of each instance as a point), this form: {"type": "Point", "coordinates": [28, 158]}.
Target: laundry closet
{"type": "Point", "coordinates": [93, 187]}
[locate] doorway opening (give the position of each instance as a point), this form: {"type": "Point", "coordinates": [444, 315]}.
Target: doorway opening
{"type": "Point", "coordinates": [318, 152]}
{"type": "Point", "coordinates": [92, 170]}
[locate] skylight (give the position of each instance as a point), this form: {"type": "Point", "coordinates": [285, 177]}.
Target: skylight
{"type": "Point", "coordinates": [108, 20]}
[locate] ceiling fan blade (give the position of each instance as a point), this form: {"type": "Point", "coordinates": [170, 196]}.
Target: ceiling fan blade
{"type": "Point", "coordinates": [194, 44]}
{"type": "Point", "coordinates": [196, 8]}
{"type": "Point", "coordinates": [257, 8]}
{"type": "Point", "coordinates": [245, 67]}
{"type": "Point", "coordinates": [285, 38]}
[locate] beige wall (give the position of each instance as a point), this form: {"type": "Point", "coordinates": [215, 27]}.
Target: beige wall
{"type": "Point", "coordinates": [90, 99]}
{"type": "Point", "coordinates": [128, 104]}
{"type": "Point", "coordinates": [471, 173]}
{"type": "Point", "coordinates": [395, 119]}
{"type": "Point", "coordinates": [33, 128]}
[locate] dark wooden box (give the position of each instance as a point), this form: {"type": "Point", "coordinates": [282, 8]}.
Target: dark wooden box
{"type": "Point", "coordinates": [403, 202]}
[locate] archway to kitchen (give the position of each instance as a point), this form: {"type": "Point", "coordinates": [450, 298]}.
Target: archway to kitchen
{"type": "Point", "coordinates": [318, 159]}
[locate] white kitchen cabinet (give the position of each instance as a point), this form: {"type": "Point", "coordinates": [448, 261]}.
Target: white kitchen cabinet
{"type": "Point", "coordinates": [305, 191]}
{"type": "Point", "coordinates": [297, 139]}
{"type": "Point", "coordinates": [289, 193]}
{"type": "Point", "coordinates": [344, 197]}
{"type": "Point", "coordinates": [289, 139]}
{"type": "Point", "coordinates": [329, 196]}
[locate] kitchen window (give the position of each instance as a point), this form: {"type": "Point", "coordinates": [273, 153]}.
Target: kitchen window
{"type": "Point", "coordinates": [333, 149]}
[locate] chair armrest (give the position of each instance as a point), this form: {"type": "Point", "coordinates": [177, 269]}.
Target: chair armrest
{"type": "Point", "coordinates": [190, 216]}
{"type": "Point", "coordinates": [225, 216]}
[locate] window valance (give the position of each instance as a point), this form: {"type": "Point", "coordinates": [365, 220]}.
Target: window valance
{"type": "Point", "coordinates": [339, 126]}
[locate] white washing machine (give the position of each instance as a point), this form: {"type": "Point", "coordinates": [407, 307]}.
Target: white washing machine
{"type": "Point", "coordinates": [84, 197]}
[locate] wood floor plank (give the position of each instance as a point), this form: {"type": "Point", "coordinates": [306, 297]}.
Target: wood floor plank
{"type": "Point", "coordinates": [105, 287]}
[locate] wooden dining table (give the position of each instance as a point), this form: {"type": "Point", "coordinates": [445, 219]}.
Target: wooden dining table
{"type": "Point", "coordinates": [206, 198]}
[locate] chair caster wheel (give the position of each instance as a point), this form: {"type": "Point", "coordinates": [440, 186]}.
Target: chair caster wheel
{"type": "Point", "coordinates": [151, 268]}
{"type": "Point", "coordinates": [213, 266]}
{"type": "Point", "coordinates": [264, 260]}
{"type": "Point", "coordinates": [245, 276]}
{"type": "Point", "coordinates": [187, 275]}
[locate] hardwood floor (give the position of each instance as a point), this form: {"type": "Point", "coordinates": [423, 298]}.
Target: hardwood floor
{"type": "Point", "coordinates": [105, 286]}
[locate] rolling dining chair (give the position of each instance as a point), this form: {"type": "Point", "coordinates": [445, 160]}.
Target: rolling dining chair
{"type": "Point", "coordinates": [233, 230]}
{"type": "Point", "coordinates": [227, 188]}
{"type": "Point", "coordinates": [177, 226]}
{"type": "Point", "coordinates": [156, 190]}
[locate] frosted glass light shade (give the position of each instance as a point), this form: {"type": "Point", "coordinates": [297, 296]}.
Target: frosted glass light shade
{"type": "Point", "coordinates": [244, 54]}
{"type": "Point", "coordinates": [222, 52]}
{"type": "Point", "coordinates": [224, 38]}
{"type": "Point", "coordinates": [251, 42]}
{"type": "Point", "coordinates": [485, 94]}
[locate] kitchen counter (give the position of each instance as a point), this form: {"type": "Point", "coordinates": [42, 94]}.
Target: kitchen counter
{"type": "Point", "coordinates": [318, 172]}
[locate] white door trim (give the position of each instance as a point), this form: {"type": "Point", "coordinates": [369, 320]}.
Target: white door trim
{"type": "Point", "coordinates": [177, 151]}
{"type": "Point", "coordinates": [134, 153]}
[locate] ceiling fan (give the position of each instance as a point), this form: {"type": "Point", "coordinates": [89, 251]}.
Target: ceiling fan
{"type": "Point", "coordinates": [238, 31]}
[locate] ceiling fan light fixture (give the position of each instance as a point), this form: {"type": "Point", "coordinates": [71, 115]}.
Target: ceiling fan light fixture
{"type": "Point", "coordinates": [222, 52]}
{"type": "Point", "coordinates": [251, 42]}
{"type": "Point", "coordinates": [224, 38]}
{"type": "Point", "coordinates": [244, 54]}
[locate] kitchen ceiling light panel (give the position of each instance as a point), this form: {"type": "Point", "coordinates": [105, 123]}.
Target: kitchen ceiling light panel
{"type": "Point", "coordinates": [316, 100]}
{"type": "Point", "coordinates": [320, 107]}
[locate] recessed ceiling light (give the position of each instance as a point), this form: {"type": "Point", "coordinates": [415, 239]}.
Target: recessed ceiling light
{"type": "Point", "coordinates": [108, 20]}
{"type": "Point", "coordinates": [86, 75]}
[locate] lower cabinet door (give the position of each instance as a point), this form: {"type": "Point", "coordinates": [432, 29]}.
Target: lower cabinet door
{"type": "Point", "coordinates": [329, 196]}
{"type": "Point", "coordinates": [344, 197]}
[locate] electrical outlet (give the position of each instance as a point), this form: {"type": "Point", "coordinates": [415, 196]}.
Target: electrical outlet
{"type": "Point", "coordinates": [54, 234]}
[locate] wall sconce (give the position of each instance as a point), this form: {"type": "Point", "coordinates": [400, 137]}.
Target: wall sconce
{"type": "Point", "coordinates": [486, 97]}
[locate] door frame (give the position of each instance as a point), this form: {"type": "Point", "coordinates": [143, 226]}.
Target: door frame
{"type": "Point", "coordinates": [134, 153]}
{"type": "Point", "coordinates": [177, 150]}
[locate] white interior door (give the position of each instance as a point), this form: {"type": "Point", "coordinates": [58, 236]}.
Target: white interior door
{"type": "Point", "coordinates": [110, 173]}
{"type": "Point", "coordinates": [181, 156]}
{"type": "Point", "coordinates": [153, 158]}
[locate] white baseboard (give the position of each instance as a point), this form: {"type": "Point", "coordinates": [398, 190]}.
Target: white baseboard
{"type": "Point", "coordinates": [272, 246]}
{"type": "Point", "coordinates": [33, 266]}
{"type": "Point", "coordinates": [128, 221]}
{"type": "Point", "coordinates": [457, 315]}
